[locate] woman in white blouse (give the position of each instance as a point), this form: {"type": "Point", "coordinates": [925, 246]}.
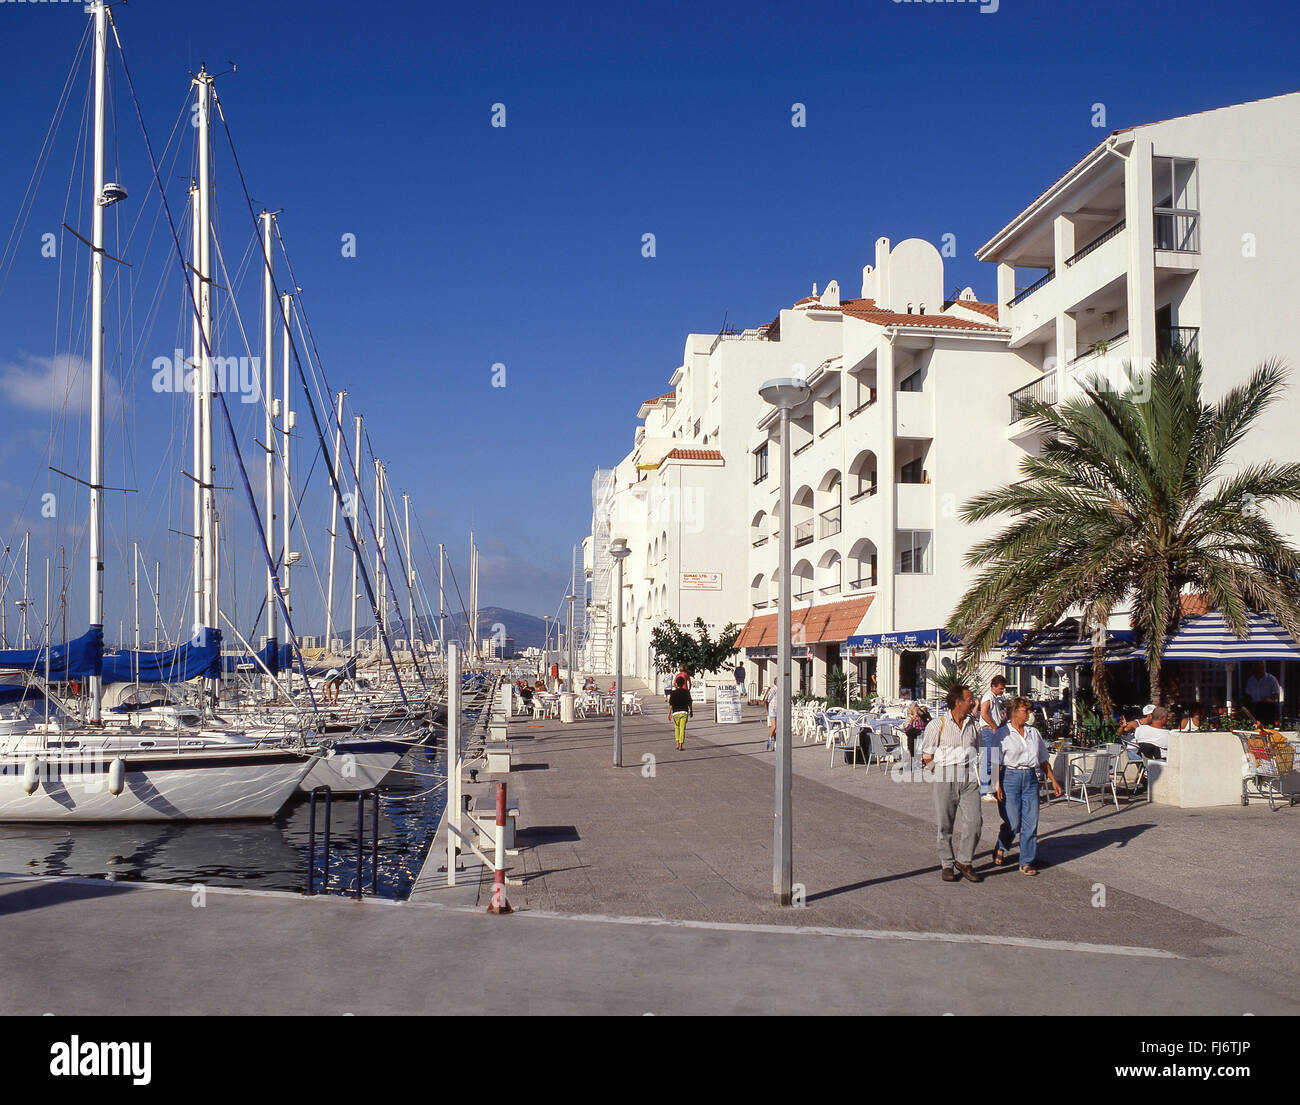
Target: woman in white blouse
{"type": "Point", "coordinates": [1023, 753]}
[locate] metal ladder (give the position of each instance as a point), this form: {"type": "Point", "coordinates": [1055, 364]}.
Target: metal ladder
{"type": "Point", "coordinates": [326, 793]}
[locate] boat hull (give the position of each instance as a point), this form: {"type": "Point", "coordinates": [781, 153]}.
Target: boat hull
{"type": "Point", "coordinates": [201, 785]}
{"type": "Point", "coordinates": [354, 765]}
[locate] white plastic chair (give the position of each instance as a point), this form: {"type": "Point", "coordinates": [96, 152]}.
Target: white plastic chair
{"type": "Point", "coordinates": [1093, 769]}
{"type": "Point", "coordinates": [842, 736]}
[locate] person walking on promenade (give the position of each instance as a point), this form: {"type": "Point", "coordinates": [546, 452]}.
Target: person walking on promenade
{"type": "Point", "coordinates": [680, 708]}
{"type": "Point", "coordinates": [992, 715]}
{"type": "Point", "coordinates": [740, 680]}
{"type": "Point", "coordinates": [772, 700]}
{"type": "Point", "coordinates": [951, 743]}
{"type": "Point", "coordinates": [1024, 754]}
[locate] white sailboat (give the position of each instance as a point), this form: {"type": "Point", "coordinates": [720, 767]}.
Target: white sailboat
{"type": "Point", "coordinates": [59, 770]}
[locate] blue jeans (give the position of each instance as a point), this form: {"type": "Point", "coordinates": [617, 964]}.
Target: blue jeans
{"type": "Point", "coordinates": [990, 758]}
{"type": "Point", "coordinates": [1020, 786]}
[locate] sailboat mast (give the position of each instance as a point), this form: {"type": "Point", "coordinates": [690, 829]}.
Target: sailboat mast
{"type": "Point", "coordinates": [268, 389]}
{"type": "Point", "coordinates": [442, 599]}
{"type": "Point", "coordinates": [286, 425]}
{"type": "Point", "coordinates": [410, 575]}
{"type": "Point", "coordinates": [352, 513]}
{"type": "Point", "coordinates": [207, 474]}
{"type": "Point", "coordinates": [380, 575]}
{"type": "Point", "coordinates": [196, 376]}
{"type": "Point", "coordinates": [135, 588]}
{"type": "Point", "coordinates": [99, 10]}
{"type": "Point", "coordinates": [334, 524]}
{"type": "Point", "coordinates": [27, 543]}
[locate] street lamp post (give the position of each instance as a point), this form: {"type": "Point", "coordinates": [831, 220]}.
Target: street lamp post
{"type": "Point", "coordinates": [546, 648]}
{"type": "Point", "coordinates": [568, 635]}
{"type": "Point", "coordinates": [785, 395]}
{"type": "Point", "coordinates": [619, 551]}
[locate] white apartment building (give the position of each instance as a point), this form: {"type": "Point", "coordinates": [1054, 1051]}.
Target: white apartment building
{"type": "Point", "coordinates": [906, 420]}
{"type": "Point", "coordinates": [1175, 234]}
{"type": "Point", "coordinates": [680, 497]}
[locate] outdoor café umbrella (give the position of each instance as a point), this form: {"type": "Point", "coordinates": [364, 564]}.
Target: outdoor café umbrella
{"type": "Point", "coordinates": [1061, 646]}
{"type": "Point", "coordinates": [1209, 637]}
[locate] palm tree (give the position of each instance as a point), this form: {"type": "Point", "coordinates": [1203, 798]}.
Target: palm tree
{"type": "Point", "coordinates": [1133, 498]}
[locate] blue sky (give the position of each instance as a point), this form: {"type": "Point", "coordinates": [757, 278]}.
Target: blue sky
{"type": "Point", "coordinates": [521, 245]}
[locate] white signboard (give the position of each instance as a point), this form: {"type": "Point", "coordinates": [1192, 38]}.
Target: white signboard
{"type": "Point", "coordinates": [701, 581]}
{"type": "Point", "coordinates": [727, 704]}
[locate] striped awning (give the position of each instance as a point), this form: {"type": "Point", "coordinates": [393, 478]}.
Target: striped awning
{"type": "Point", "coordinates": [1208, 637]}
{"type": "Point", "coordinates": [1060, 645]}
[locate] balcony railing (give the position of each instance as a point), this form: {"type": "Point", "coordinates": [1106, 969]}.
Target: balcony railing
{"type": "Point", "coordinates": [830, 521]}
{"type": "Point", "coordinates": [1100, 240]}
{"type": "Point", "coordinates": [805, 446]}
{"type": "Point", "coordinates": [863, 493]}
{"type": "Point", "coordinates": [864, 404]}
{"type": "Point", "coordinates": [1042, 390]}
{"type": "Point", "coordinates": [806, 593]}
{"type": "Point", "coordinates": [803, 533]}
{"type": "Point", "coordinates": [1181, 341]}
{"type": "Point", "coordinates": [859, 584]}
{"type": "Point", "coordinates": [1177, 231]}
{"type": "Point", "coordinates": [760, 605]}
{"type": "Point", "coordinates": [1100, 348]}
{"type": "Point", "coordinates": [829, 589]}
{"type": "Point", "coordinates": [760, 541]}
{"type": "Point", "coordinates": [1033, 287]}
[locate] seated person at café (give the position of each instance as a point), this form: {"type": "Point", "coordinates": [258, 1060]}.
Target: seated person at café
{"type": "Point", "coordinates": [1192, 719]}
{"type": "Point", "coordinates": [1263, 692]}
{"type": "Point", "coordinates": [1152, 739]}
{"type": "Point", "coordinates": [1127, 727]}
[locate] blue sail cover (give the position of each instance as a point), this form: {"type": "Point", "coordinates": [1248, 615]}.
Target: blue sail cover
{"type": "Point", "coordinates": [77, 659]}
{"type": "Point", "coordinates": [192, 660]}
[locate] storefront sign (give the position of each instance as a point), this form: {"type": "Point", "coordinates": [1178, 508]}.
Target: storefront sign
{"type": "Point", "coordinates": [727, 704]}
{"type": "Point", "coordinates": [701, 581]}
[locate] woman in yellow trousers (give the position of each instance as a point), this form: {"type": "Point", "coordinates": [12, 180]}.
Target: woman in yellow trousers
{"type": "Point", "coordinates": [679, 709]}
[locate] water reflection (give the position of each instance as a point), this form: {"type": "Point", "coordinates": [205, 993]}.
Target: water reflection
{"type": "Point", "coordinates": [261, 855]}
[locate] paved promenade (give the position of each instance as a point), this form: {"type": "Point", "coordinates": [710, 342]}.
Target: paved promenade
{"type": "Point", "coordinates": [693, 841]}
{"type": "Point", "coordinates": [650, 894]}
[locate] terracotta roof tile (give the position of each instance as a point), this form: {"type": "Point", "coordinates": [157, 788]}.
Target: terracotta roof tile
{"type": "Point", "coordinates": [989, 309]}
{"type": "Point", "coordinates": [694, 454]}
{"type": "Point", "coordinates": [856, 309]}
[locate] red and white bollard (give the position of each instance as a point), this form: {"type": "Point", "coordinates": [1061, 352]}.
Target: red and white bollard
{"type": "Point", "coordinates": [499, 903]}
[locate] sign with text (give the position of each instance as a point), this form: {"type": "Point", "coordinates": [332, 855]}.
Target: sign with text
{"type": "Point", "coordinates": [701, 581]}
{"type": "Point", "coordinates": [727, 704]}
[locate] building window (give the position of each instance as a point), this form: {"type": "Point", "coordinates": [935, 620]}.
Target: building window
{"type": "Point", "coordinates": [760, 464]}
{"type": "Point", "coordinates": [911, 472]}
{"type": "Point", "coordinates": [1175, 189]}
{"type": "Point", "coordinates": [912, 382]}
{"type": "Point", "coordinates": [914, 552]}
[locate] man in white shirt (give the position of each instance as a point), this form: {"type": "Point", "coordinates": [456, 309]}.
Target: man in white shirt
{"type": "Point", "coordinates": [951, 743]}
{"type": "Point", "coordinates": [991, 716]}
{"type": "Point", "coordinates": [1152, 738]}
{"type": "Point", "coordinates": [1264, 692]}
